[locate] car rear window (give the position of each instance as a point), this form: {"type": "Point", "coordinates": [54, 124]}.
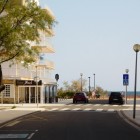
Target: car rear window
{"type": "Point", "coordinates": [79, 94]}
{"type": "Point", "coordinates": [115, 93]}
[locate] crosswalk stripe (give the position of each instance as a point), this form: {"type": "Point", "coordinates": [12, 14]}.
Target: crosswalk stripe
{"type": "Point", "coordinates": [106, 105]}
{"type": "Point", "coordinates": [97, 104]}
{"type": "Point", "coordinates": [75, 109]}
{"type": "Point", "coordinates": [53, 109]}
{"type": "Point", "coordinates": [87, 109]}
{"type": "Point", "coordinates": [64, 109]}
{"type": "Point", "coordinates": [99, 110]}
{"type": "Point", "coordinates": [111, 110]}
{"type": "Point", "coordinates": [115, 105]}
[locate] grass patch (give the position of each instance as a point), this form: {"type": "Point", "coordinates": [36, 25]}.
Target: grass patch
{"type": "Point", "coordinates": [13, 107]}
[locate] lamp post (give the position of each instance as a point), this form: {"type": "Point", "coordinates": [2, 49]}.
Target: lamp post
{"type": "Point", "coordinates": [136, 48]}
{"type": "Point", "coordinates": [126, 70]}
{"type": "Point", "coordinates": [56, 78]}
{"type": "Point", "coordinates": [81, 74]}
{"type": "Point", "coordinates": [36, 79]}
{"type": "Point", "coordinates": [89, 85]}
{"type": "Point", "coordinates": [94, 81]}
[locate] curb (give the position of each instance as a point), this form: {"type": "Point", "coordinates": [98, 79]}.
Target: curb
{"type": "Point", "coordinates": [129, 120]}
{"type": "Point", "coordinates": [16, 118]}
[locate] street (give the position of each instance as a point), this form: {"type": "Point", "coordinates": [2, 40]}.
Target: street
{"type": "Point", "coordinates": [72, 122]}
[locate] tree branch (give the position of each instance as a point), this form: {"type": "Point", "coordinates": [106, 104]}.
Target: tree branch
{"type": "Point", "coordinates": [4, 6]}
{"type": "Point", "coordinates": [9, 58]}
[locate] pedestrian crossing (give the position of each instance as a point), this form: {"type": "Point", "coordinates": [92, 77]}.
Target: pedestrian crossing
{"type": "Point", "coordinates": [80, 109]}
{"type": "Point", "coordinates": [84, 108]}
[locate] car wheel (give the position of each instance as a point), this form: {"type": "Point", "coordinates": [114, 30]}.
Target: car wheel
{"type": "Point", "coordinates": [110, 102]}
{"type": "Point", "coordinates": [121, 103]}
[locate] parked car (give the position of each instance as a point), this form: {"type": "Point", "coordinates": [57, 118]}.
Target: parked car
{"type": "Point", "coordinates": [80, 97]}
{"type": "Point", "coordinates": [116, 97]}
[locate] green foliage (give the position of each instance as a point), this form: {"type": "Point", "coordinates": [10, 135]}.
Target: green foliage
{"type": "Point", "coordinates": [65, 94]}
{"type": "Point", "coordinates": [69, 89]}
{"type": "Point", "coordinates": [13, 107]}
{"type": "Point", "coordinates": [20, 25]}
{"type": "Point", "coordinates": [75, 85]}
{"type": "Point", "coordinates": [102, 92]}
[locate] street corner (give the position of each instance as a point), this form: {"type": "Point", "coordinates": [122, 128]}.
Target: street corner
{"type": "Point", "coordinates": [127, 115]}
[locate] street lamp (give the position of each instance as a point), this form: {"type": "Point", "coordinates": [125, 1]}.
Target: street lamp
{"type": "Point", "coordinates": [136, 48]}
{"type": "Point", "coordinates": [56, 78]}
{"type": "Point", "coordinates": [36, 79]}
{"type": "Point", "coordinates": [94, 81]}
{"type": "Point", "coordinates": [126, 70]}
{"type": "Point", "coordinates": [89, 85]}
{"type": "Point", "coordinates": [81, 74]}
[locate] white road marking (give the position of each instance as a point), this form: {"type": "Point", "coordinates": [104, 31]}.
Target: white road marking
{"type": "Point", "coordinates": [64, 109]}
{"type": "Point", "coordinates": [97, 105]}
{"type": "Point", "coordinates": [9, 136]}
{"type": "Point", "coordinates": [87, 109]}
{"type": "Point", "coordinates": [115, 105]}
{"type": "Point", "coordinates": [53, 109]}
{"type": "Point", "coordinates": [76, 109]}
{"type": "Point", "coordinates": [111, 110]}
{"type": "Point", "coordinates": [105, 105]}
{"type": "Point", "coordinates": [30, 136]}
{"type": "Point", "coordinates": [99, 110]}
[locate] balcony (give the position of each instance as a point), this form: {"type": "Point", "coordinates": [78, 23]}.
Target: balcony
{"type": "Point", "coordinates": [47, 64]}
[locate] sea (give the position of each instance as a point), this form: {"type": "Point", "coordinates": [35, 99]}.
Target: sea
{"type": "Point", "coordinates": [129, 93]}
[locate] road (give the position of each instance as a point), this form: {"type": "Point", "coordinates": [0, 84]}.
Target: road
{"type": "Point", "coordinates": [72, 122]}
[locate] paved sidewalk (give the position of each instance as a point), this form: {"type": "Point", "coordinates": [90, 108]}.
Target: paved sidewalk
{"type": "Point", "coordinates": [128, 114]}
{"type": "Point", "coordinates": [10, 111]}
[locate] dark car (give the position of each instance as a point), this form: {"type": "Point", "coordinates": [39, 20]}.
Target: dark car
{"type": "Point", "coordinates": [116, 97]}
{"type": "Point", "coordinates": [80, 97]}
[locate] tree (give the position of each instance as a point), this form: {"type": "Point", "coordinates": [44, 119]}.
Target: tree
{"type": "Point", "coordinates": [69, 90]}
{"type": "Point", "coordinates": [75, 85]}
{"type": "Point", "coordinates": [20, 25]}
{"type": "Point", "coordinates": [100, 91]}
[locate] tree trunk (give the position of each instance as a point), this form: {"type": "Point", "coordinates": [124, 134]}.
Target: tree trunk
{"type": "Point", "coordinates": [2, 86]}
{"type": "Point", "coordinates": [0, 75]}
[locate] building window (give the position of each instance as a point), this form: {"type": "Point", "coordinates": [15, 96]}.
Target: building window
{"type": "Point", "coordinates": [9, 91]}
{"type": "Point", "coordinates": [6, 92]}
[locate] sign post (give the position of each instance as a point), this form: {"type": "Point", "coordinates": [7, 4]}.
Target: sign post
{"type": "Point", "coordinates": [126, 83]}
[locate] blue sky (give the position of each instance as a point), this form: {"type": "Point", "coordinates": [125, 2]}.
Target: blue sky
{"type": "Point", "coordinates": [96, 36]}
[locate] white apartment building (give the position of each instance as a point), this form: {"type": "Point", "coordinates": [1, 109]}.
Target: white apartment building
{"type": "Point", "coordinates": [34, 84]}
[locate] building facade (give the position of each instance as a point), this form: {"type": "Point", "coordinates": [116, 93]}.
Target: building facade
{"type": "Point", "coordinates": [34, 84]}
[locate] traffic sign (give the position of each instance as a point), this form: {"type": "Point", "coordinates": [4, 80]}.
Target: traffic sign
{"type": "Point", "coordinates": [125, 79]}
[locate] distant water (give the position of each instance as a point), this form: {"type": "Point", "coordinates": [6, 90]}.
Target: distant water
{"type": "Point", "coordinates": [129, 93]}
{"type": "Point", "coordinates": [132, 92]}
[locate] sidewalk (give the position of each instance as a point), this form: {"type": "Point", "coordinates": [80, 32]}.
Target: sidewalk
{"type": "Point", "coordinates": [128, 115]}
{"type": "Point", "coordinates": [7, 113]}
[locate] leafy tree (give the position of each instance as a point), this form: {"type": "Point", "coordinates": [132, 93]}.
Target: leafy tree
{"type": "Point", "coordinates": [75, 85]}
{"type": "Point", "coordinates": [20, 25]}
{"type": "Point", "coordinates": [100, 91]}
{"type": "Point", "coordinates": [66, 85]}
{"type": "Point", "coordinates": [69, 89]}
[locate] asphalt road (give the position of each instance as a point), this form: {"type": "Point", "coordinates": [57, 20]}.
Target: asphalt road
{"type": "Point", "coordinates": [70, 125]}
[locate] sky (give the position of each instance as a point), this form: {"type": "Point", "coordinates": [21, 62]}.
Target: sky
{"type": "Point", "coordinates": [96, 36]}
